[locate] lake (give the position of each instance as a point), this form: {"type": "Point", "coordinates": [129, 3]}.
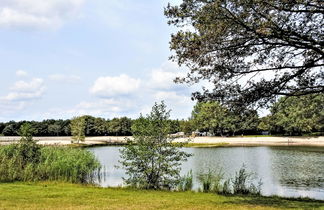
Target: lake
{"type": "Point", "coordinates": [284, 171]}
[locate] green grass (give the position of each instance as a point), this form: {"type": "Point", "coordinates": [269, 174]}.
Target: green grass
{"type": "Point", "coordinates": [221, 144]}
{"type": "Point", "coordinates": [49, 195]}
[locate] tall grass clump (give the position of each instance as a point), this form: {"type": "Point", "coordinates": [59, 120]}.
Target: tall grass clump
{"type": "Point", "coordinates": [186, 182]}
{"type": "Point", "coordinates": [241, 184]}
{"type": "Point", "coordinates": [27, 161]}
{"type": "Point", "coordinates": [210, 181]}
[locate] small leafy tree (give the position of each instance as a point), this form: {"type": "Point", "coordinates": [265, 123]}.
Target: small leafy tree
{"type": "Point", "coordinates": [78, 128]}
{"type": "Point", "coordinates": [27, 150]}
{"type": "Point", "coordinates": [152, 160]}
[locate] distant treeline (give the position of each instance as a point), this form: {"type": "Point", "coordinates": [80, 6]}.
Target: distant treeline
{"type": "Point", "coordinates": [289, 116]}
{"type": "Point", "coordinates": [94, 126]}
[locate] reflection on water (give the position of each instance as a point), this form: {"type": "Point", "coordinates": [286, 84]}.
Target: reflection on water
{"type": "Point", "coordinates": [285, 171]}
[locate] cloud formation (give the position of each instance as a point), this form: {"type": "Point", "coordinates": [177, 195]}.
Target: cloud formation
{"type": "Point", "coordinates": [23, 90]}
{"type": "Point", "coordinates": [163, 77]}
{"type": "Point", "coordinates": [113, 86]}
{"type": "Point", "coordinates": [21, 73]}
{"type": "Point", "coordinates": [37, 13]}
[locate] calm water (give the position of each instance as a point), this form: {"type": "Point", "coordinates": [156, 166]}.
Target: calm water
{"type": "Point", "coordinates": [285, 171]}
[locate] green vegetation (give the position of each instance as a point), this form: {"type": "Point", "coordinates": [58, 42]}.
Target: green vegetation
{"type": "Point", "coordinates": [241, 184]}
{"type": "Point", "coordinates": [249, 51]}
{"type": "Point", "coordinates": [78, 129]}
{"type": "Point", "coordinates": [186, 182]}
{"type": "Point", "coordinates": [206, 145]}
{"type": "Point", "coordinates": [47, 163]}
{"type": "Point", "coordinates": [216, 119]}
{"type": "Point", "coordinates": [298, 115]}
{"type": "Point", "coordinates": [27, 161]}
{"type": "Point", "coordinates": [94, 126]}
{"type": "Point", "coordinates": [152, 160]}
{"type": "Point", "coordinates": [51, 195]}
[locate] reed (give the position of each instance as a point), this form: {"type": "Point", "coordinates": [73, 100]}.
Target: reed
{"type": "Point", "coordinates": [20, 162]}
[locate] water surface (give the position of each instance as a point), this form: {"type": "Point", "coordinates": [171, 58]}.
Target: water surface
{"type": "Point", "coordinates": [284, 171]}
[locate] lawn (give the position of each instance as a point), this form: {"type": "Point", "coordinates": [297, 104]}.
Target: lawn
{"type": "Point", "coordinates": [70, 196]}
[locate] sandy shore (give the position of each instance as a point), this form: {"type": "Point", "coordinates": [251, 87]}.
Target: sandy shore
{"type": "Point", "coordinates": [226, 141]}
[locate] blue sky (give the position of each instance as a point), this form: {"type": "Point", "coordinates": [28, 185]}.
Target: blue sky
{"type": "Point", "coordinates": [107, 58]}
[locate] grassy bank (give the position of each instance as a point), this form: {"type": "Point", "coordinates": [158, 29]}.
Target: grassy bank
{"type": "Point", "coordinates": [51, 195]}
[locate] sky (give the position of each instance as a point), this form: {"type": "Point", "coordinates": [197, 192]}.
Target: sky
{"type": "Point", "coordinates": [105, 58]}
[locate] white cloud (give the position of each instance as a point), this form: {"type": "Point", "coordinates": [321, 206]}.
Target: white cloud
{"type": "Point", "coordinates": [172, 97]}
{"type": "Point", "coordinates": [9, 107]}
{"type": "Point", "coordinates": [23, 90]}
{"type": "Point", "coordinates": [114, 86]}
{"type": "Point", "coordinates": [64, 78]}
{"type": "Point", "coordinates": [21, 73]}
{"type": "Point", "coordinates": [163, 77]}
{"type": "Point", "coordinates": [37, 13]}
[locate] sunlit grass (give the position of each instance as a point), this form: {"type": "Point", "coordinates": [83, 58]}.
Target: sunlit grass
{"type": "Point", "coordinates": [49, 195]}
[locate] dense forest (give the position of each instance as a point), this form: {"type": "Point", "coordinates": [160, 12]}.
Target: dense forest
{"type": "Point", "coordinates": [288, 116]}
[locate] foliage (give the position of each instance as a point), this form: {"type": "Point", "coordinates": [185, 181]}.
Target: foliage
{"type": "Point", "coordinates": [249, 50]}
{"type": "Point", "coordinates": [186, 126]}
{"type": "Point", "coordinates": [51, 163]}
{"type": "Point", "coordinates": [94, 126]}
{"type": "Point", "coordinates": [242, 183]}
{"type": "Point", "coordinates": [27, 161]}
{"type": "Point", "coordinates": [211, 181]}
{"type": "Point", "coordinates": [120, 126]}
{"type": "Point", "coordinates": [151, 160]}
{"type": "Point", "coordinates": [186, 182]}
{"type": "Point", "coordinates": [219, 120]}
{"type": "Point", "coordinates": [78, 126]}
{"type": "Point", "coordinates": [297, 115]}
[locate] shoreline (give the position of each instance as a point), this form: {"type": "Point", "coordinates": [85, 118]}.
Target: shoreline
{"type": "Point", "coordinates": [193, 142]}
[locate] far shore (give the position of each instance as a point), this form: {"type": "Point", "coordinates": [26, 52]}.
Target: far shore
{"type": "Point", "coordinates": [194, 141]}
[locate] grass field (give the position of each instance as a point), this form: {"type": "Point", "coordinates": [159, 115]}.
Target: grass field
{"type": "Point", "coordinates": [70, 196]}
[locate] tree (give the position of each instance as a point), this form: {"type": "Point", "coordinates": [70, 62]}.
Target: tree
{"type": "Point", "coordinates": [9, 130]}
{"type": "Point", "coordinates": [28, 150]}
{"type": "Point", "coordinates": [186, 126]}
{"type": "Point", "coordinates": [120, 126]}
{"type": "Point", "coordinates": [251, 50]}
{"type": "Point", "coordinates": [210, 116]}
{"type": "Point", "coordinates": [100, 126]}
{"type": "Point", "coordinates": [151, 160]}
{"type": "Point", "coordinates": [297, 115]}
{"type": "Point", "coordinates": [54, 129]}
{"type": "Point", "coordinates": [78, 126]}
{"type": "Point", "coordinates": [218, 119]}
